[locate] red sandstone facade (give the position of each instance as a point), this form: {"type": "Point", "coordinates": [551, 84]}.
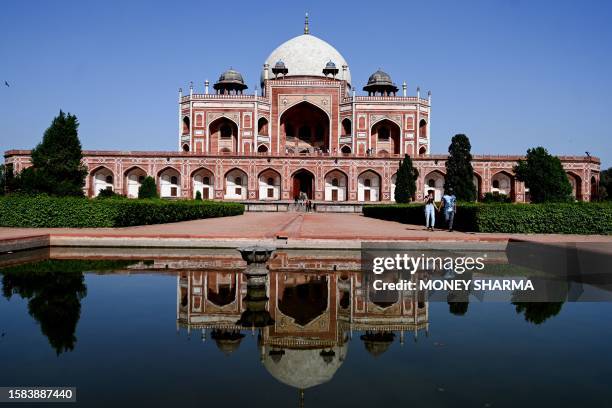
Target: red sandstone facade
{"type": "Point", "coordinates": [306, 132]}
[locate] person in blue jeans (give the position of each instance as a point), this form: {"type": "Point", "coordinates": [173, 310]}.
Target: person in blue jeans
{"type": "Point", "coordinates": [430, 211]}
{"type": "Point", "coordinates": [449, 204]}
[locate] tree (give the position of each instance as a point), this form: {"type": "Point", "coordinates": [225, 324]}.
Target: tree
{"type": "Point", "coordinates": [543, 174]}
{"type": "Point", "coordinates": [56, 161]}
{"type": "Point", "coordinates": [405, 186]}
{"type": "Point", "coordinates": [538, 312]}
{"type": "Point", "coordinates": [198, 195]}
{"type": "Point", "coordinates": [148, 188]}
{"type": "Point", "coordinates": [459, 171]}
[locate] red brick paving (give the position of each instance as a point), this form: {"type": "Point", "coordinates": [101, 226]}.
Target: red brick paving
{"type": "Point", "coordinates": [300, 226]}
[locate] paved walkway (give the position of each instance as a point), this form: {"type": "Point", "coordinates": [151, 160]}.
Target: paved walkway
{"type": "Point", "coordinates": [315, 228]}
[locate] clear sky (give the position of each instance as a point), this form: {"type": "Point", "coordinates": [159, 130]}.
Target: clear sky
{"type": "Point", "coordinates": [509, 74]}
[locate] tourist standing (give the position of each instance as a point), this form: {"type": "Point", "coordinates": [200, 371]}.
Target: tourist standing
{"type": "Point", "coordinates": [430, 211]}
{"type": "Point", "coordinates": [449, 203]}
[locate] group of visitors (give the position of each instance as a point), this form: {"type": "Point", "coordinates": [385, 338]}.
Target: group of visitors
{"type": "Point", "coordinates": [303, 203]}
{"type": "Point", "coordinates": [448, 206]}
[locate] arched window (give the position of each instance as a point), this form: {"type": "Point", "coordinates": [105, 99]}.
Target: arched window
{"type": "Point", "coordinates": [226, 131]}
{"type": "Point", "coordinates": [367, 182]}
{"type": "Point", "coordinates": [186, 125]}
{"type": "Point", "coordinates": [206, 180]}
{"type": "Point", "coordinates": [335, 182]}
{"type": "Point", "coordinates": [262, 127]}
{"type": "Point", "coordinates": [431, 183]}
{"type": "Point", "coordinates": [270, 181]}
{"type": "Point", "coordinates": [495, 183]}
{"type": "Point", "coordinates": [109, 179]}
{"type": "Point", "coordinates": [346, 127]}
{"type": "Point", "coordinates": [262, 149]}
{"type": "Point", "coordinates": [423, 150]}
{"type": "Point", "coordinates": [238, 181]}
{"type": "Point", "coordinates": [423, 128]}
{"type": "Point", "coordinates": [173, 180]}
{"type": "Point", "coordinates": [141, 179]}
{"type": "Point", "coordinates": [185, 147]}
{"type": "Point", "coordinates": [345, 150]}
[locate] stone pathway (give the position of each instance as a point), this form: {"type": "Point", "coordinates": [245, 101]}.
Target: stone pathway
{"type": "Point", "coordinates": [315, 228]}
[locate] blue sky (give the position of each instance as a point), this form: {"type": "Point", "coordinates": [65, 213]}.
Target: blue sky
{"type": "Point", "coordinates": [509, 74]}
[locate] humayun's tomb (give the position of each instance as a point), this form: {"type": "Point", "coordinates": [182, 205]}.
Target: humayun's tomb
{"type": "Point", "coordinates": [306, 130]}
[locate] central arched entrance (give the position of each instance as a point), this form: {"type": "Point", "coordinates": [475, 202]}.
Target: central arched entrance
{"type": "Point", "coordinates": [305, 128]}
{"type": "Point", "coordinates": [303, 184]}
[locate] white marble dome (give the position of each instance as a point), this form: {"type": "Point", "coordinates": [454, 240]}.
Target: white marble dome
{"type": "Point", "coordinates": [307, 55]}
{"type": "Point", "coordinates": [304, 369]}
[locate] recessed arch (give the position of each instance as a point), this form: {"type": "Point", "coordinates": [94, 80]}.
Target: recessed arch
{"type": "Point", "coordinates": [269, 181]}
{"type": "Point", "coordinates": [345, 149]}
{"type": "Point", "coordinates": [223, 134]}
{"type": "Point", "coordinates": [347, 128]}
{"type": "Point", "coordinates": [303, 184]}
{"type": "Point", "coordinates": [576, 183]}
{"type": "Point", "coordinates": [502, 182]}
{"type": "Point", "coordinates": [263, 127]}
{"type": "Point", "coordinates": [305, 127]}
{"type": "Point", "coordinates": [102, 178]}
{"type": "Point", "coordinates": [203, 180]}
{"type": "Point", "coordinates": [477, 180]}
{"type": "Point", "coordinates": [169, 182]}
{"type": "Point", "coordinates": [236, 184]}
{"type": "Point", "coordinates": [336, 185]}
{"type": "Point", "coordinates": [387, 134]}
{"type": "Point", "coordinates": [263, 148]}
{"type": "Point", "coordinates": [422, 151]}
{"type": "Point", "coordinates": [368, 185]}
{"type": "Point", "coordinates": [185, 147]}
{"type": "Point", "coordinates": [186, 125]}
{"type": "Point", "coordinates": [134, 176]}
{"type": "Point", "coordinates": [434, 181]}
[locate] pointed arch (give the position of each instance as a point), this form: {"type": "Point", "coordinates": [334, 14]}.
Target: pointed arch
{"type": "Point", "coordinates": [434, 181]}
{"type": "Point", "coordinates": [203, 180]}
{"type": "Point", "coordinates": [336, 185]}
{"type": "Point", "coordinates": [368, 185]}
{"type": "Point", "coordinates": [304, 126]}
{"type": "Point", "coordinates": [101, 178]}
{"type": "Point", "coordinates": [269, 181]}
{"type": "Point", "coordinates": [133, 176]}
{"type": "Point", "coordinates": [169, 182]}
{"type": "Point", "coordinates": [236, 184]}
{"type": "Point", "coordinates": [502, 182]}
{"type": "Point", "coordinates": [223, 134]}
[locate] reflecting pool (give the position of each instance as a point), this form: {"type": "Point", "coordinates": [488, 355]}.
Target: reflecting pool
{"type": "Point", "coordinates": [192, 329]}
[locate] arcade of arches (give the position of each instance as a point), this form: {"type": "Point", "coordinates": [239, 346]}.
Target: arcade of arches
{"type": "Point", "coordinates": [268, 184]}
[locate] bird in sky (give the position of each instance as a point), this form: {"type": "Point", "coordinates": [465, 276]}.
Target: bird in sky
{"type": "Point", "coordinates": [6, 83]}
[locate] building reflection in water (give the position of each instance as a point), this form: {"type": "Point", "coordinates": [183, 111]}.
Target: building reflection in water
{"type": "Point", "coordinates": [314, 308]}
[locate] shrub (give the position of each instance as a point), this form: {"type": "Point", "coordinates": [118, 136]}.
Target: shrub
{"type": "Point", "coordinates": [198, 196]}
{"type": "Point", "coordinates": [74, 212]}
{"type": "Point", "coordinates": [552, 218]}
{"type": "Point", "coordinates": [107, 193]}
{"type": "Point", "coordinates": [496, 198]}
{"type": "Point", "coordinates": [148, 188]}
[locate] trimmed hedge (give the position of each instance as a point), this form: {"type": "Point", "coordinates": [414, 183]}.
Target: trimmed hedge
{"type": "Point", "coordinates": [552, 218]}
{"type": "Point", "coordinates": [73, 212]}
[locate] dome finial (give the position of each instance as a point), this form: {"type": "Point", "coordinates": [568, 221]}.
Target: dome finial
{"type": "Point", "coordinates": [306, 29]}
